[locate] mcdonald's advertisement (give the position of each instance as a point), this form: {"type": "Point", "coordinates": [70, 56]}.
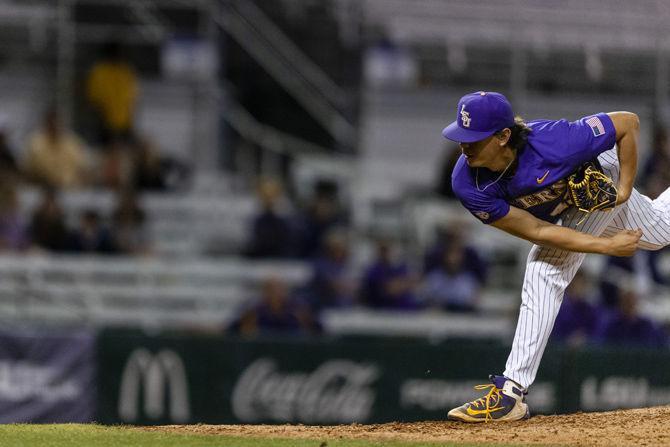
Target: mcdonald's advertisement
{"type": "Point", "coordinates": [189, 379]}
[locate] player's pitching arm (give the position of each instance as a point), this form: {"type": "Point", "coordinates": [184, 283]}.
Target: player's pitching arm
{"type": "Point", "coordinates": [521, 223]}
{"type": "Point", "coordinates": [627, 127]}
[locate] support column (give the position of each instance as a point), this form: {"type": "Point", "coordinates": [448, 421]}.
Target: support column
{"type": "Point", "coordinates": [661, 106]}
{"type": "Point", "coordinates": [518, 75]}
{"type": "Point", "coordinates": [65, 64]}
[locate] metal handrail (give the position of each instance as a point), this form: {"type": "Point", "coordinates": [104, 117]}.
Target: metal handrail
{"type": "Point", "coordinates": [238, 27]}
{"type": "Point", "coordinates": [265, 136]}
{"type": "Point", "coordinates": [311, 72]}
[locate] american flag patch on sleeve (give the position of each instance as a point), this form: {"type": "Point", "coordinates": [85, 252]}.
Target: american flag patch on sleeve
{"type": "Point", "coordinates": [596, 126]}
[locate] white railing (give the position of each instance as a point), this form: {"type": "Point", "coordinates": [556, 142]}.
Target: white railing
{"type": "Point", "coordinates": [100, 291]}
{"type": "Point", "coordinates": [430, 324]}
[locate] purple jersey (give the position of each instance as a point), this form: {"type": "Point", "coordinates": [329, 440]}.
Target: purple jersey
{"type": "Point", "coordinates": [555, 149]}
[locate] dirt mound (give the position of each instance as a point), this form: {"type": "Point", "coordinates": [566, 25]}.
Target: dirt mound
{"type": "Point", "coordinates": [640, 427]}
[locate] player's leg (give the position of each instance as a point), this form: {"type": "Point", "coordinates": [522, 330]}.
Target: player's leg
{"type": "Point", "coordinates": [651, 216]}
{"type": "Point", "coordinates": [548, 273]}
{"type": "Point", "coordinates": [639, 211]}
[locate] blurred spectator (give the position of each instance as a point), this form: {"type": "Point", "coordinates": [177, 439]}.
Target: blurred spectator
{"type": "Point", "coordinates": [653, 260]}
{"type": "Point", "coordinates": [450, 156]}
{"type": "Point", "coordinates": [91, 236]}
{"type": "Point", "coordinates": [56, 157]}
{"type": "Point", "coordinates": [14, 234]}
{"type": "Point", "coordinates": [333, 283]}
{"type": "Point", "coordinates": [47, 226]}
{"type": "Point", "coordinates": [446, 236]}
{"type": "Point", "coordinates": [276, 313]}
{"type": "Point", "coordinates": [386, 64]}
{"type": "Point", "coordinates": [270, 235]}
{"type": "Point", "coordinates": [117, 165]}
{"type": "Point", "coordinates": [112, 90]}
{"type": "Point", "coordinates": [617, 270]}
{"type": "Point", "coordinates": [656, 169]}
{"type": "Point", "coordinates": [625, 327]}
{"type": "Point", "coordinates": [388, 283]}
{"type": "Point", "coordinates": [577, 319]}
{"type": "Point", "coordinates": [322, 213]}
{"type": "Point", "coordinates": [8, 165]}
{"type": "Point", "coordinates": [640, 269]}
{"type": "Point", "coordinates": [452, 286]}
{"type": "Point", "coordinates": [148, 169]}
{"type": "Point", "coordinates": [128, 225]}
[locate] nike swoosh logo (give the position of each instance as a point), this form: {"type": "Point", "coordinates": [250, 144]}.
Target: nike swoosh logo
{"type": "Point", "coordinates": [539, 180]}
{"type": "Point", "coordinates": [472, 412]}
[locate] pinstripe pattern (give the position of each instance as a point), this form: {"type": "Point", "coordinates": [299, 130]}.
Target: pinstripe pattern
{"type": "Point", "coordinates": [549, 271]}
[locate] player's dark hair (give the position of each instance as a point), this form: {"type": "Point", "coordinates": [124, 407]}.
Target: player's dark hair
{"type": "Point", "coordinates": [519, 136]}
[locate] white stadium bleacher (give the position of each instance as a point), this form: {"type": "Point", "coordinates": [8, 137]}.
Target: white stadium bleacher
{"type": "Point", "coordinates": [197, 278]}
{"type": "Point", "coordinates": [615, 24]}
{"type": "Point", "coordinates": [431, 324]}
{"type": "Point", "coordinates": [134, 292]}
{"type": "Point", "coordinates": [188, 294]}
{"type": "Point", "coordinates": [178, 224]}
{"type": "Point", "coordinates": [183, 287]}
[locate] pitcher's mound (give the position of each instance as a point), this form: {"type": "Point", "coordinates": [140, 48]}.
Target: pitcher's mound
{"type": "Point", "coordinates": [644, 426]}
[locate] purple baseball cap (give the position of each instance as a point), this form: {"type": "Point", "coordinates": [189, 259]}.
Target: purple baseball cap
{"type": "Point", "coordinates": [479, 115]}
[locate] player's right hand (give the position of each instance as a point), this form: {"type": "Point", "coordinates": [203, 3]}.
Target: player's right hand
{"type": "Point", "coordinates": [624, 243]}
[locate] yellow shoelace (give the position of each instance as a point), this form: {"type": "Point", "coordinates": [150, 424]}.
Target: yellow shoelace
{"type": "Point", "coordinates": [494, 395]}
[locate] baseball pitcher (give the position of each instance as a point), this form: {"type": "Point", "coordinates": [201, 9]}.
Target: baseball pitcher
{"type": "Point", "coordinates": [567, 187]}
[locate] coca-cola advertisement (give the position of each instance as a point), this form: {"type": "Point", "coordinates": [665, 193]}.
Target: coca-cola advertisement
{"type": "Point", "coordinates": [337, 391]}
{"type": "Point", "coordinates": [223, 380]}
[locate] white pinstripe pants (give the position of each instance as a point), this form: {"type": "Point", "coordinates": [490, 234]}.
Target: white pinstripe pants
{"type": "Point", "coordinates": [549, 271]}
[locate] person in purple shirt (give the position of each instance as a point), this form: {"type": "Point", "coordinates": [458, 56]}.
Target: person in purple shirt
{"type": "Point", "coordinates": [388, 282]}
{"type": "Point", "coordinates": [333, 283]}
{"type": "Point", "coordinates": [578, 318]}
{"type": "Point", "coordinates": [447, 236]}
{"type": "Point", "coordinates": [513, 175]}
{"type": "Point", "coordinates": [276, 312]}
{"type": "Point", "coordinates": [625, 327]}
{"type": "Point", "coordinates": [452, 286]}
{"type": "Point", "coordinates": [14, 231]}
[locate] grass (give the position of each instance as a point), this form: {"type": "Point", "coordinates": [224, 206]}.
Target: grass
{"type": "Point", "coordinates": [90, 435]}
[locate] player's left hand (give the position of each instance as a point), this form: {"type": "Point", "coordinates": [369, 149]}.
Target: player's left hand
{"type": "Point", "coordinates": [624, 243]}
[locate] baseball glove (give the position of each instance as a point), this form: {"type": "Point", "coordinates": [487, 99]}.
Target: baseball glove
{"type": "Point", "coordinates": [590, 189]}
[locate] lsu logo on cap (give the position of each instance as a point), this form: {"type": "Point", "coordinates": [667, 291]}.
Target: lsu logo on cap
{"type": "Point", "coordinates": [465, 117]}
